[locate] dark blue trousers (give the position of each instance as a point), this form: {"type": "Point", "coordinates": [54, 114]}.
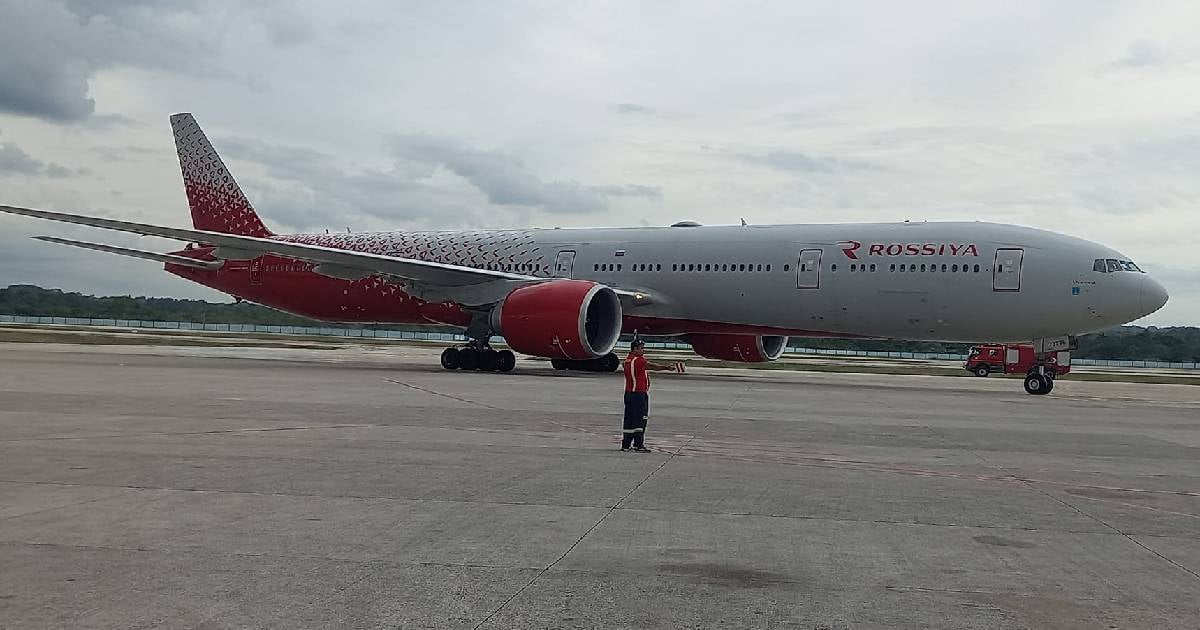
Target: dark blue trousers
{"type": "Point", "coordinates": [637, 409]}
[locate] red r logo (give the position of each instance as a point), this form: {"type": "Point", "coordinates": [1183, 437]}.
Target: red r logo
{"type": "Point", "coordinates": [849, 248]}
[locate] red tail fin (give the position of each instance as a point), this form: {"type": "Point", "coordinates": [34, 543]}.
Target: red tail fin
{"type": "Point", "coordinates": [217, 202]}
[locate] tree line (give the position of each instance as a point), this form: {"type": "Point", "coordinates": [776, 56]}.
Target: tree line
{"type": "Point", "coordinates": [1179, 344]}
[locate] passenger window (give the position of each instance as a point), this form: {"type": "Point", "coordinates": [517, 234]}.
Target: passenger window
{"type": "Point", "coordinates": [658, 267]}
{"type": "Point", "coordinates": [872, 268]}
{"type": "Point", "coordinates": [741, 267]}
{"type": "Point", "coordinates": [725, 267]}
{"type": "Point", "coordinates": [706, 267]}
{"type": "Point", "coordinates": [760, 267]}
{"type": "Point", "coordinates": [787, 267]}
{"type": "Point", "coordinates": [833, 267]}
{"type": "Point", "coordinates": [1098, 265]}
{"type": "Point", "coordinates": [893, 269]}
{"type": "Point", "coordinates": [1113, 265]}
{"type": "Point", "coordinates": [922, 266]}
{"type": "Point", "coordinates": [901, 268]}
{"type": "Point", "coordinates": [976, 268]}
{"type": "Point", "coordinates": [912, 267]}
{"type": "Point", "coordinates": [618, 266]}
{"type": "Point", "coordinates": [768, 267]}
{"type": "Point", "coordinates": [954, 268]}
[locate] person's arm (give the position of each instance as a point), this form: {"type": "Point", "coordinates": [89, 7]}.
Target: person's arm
{"type": "Point", "coordinates": [658, 367]}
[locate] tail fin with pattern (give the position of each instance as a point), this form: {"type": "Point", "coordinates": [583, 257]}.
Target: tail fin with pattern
{"type": "Point", "coordinates": [217, 202]}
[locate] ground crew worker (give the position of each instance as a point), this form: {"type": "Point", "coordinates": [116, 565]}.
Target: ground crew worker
{"type": "Point", "coordinates": [637, 396]}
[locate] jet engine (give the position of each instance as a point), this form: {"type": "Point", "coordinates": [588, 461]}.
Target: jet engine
{"type": "Point", "coordinates": [560, 319]}
{"type": "Point", "coordinates": [741, 348]}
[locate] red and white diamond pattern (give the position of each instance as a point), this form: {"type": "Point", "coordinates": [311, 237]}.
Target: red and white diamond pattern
{"type": "Point", "coordinates": [498, 250]}
{"type": "Point", "coordinates": [217, 202]}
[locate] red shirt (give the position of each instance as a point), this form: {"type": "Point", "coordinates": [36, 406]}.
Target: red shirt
{"type": "Point", "coordinates": [636, 377]}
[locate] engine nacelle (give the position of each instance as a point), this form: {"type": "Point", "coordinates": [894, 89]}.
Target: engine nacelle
{"type": "Point", "coordinates": [560, 319]}
{"type": "Point", "coordinates": [741, 348]}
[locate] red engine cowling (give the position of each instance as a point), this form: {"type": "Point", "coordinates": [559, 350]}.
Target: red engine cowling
{"type": "Point", "coordinates": [741, 348]}
{"type": "Point", "coordinates": [560, 319]}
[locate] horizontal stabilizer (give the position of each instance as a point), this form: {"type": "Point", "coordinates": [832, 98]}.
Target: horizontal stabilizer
{"type": "Point", "coordinates": [135, 253]}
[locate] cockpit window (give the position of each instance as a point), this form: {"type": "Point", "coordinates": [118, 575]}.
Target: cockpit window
{"type": "Point", "coordinates": [1113, 265]}
{"type": "Point", "coordinates": [1099, 266]}
{"type": "Point", "coordinates": [1127, 266]}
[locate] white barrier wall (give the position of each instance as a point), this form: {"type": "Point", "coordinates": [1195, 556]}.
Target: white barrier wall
{"type": "Point", "coordinates": [440, 336]}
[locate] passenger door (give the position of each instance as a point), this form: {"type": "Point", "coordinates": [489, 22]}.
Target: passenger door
{"type": "Point", "coordinates": [1006, 271]}
{"type": "Point", "coordinates": [808, 269]}
{"type": "Point", "coordinates": [564, 264]}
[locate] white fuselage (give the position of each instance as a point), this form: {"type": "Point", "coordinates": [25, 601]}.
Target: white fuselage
{"type": "Point", "coordinates": [966, 281]}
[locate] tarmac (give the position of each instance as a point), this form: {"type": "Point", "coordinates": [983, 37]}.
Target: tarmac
{"type": "Point", "coordinates": [216, 488]}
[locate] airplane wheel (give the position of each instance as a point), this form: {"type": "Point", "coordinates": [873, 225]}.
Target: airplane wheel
{"type": "Point", "coordinates": [558, 364]}
{"type": "Point", "coordinates": [450, 358]}
{"type": "Point", "coordinates": [982, 370]}
{"type": "Point", "coordinates": [489, 361]}
{"type": "Point", "coordinates": [609, 362]}
{"type": "Point", "coordinates": [1049, 385]}
{"type": "Point", "coordinates": [468, 359]}
{"type": "Point", "coordinates": [1037, 385]}
{"type": "Point", "coordinates": [506, 361]}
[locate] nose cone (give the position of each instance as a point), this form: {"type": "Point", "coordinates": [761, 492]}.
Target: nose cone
{"type": "Point", "coordinates": [1154, 295]}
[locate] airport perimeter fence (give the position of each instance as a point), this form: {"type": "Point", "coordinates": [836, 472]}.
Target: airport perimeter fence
{"type": "Point", "coordinates": [422, 335]}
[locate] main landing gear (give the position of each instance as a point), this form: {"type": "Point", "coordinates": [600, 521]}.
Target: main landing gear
{"type": "Point", "coordinates": [607, 363]}
{"type": "Point", "coordinates": [480, 357]}
{"type": "Point", "coordinates": [1040, 380]}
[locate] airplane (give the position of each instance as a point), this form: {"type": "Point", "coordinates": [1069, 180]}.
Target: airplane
{"type": "Point", "coordinates": [735, 293]}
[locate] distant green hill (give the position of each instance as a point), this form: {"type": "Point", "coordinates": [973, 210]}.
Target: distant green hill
{"type": "Point", "coordinates": [1181, 344]}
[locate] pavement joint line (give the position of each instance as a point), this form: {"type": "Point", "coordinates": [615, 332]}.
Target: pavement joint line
{"type": "Point", "coordinates": [1033, 487]}
{"type": "Point", "coordinates": [437, 393]}
{"type": "Point", "coordinates": [612, 509]}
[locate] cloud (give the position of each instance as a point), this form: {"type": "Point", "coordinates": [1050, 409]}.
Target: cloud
{"type": "Point", "coordinates": [15, 161]}
{"type": "Point", "coordinates": [285, 26]}
{"type": "Point", "coordinates": [1143, 54]}
{"type": "Point", "coordinates": [52, 50]}
{"type": "Point", "coordinates": [505, 180]}
{"type": "Point", "coordinates": [49, 52]}
{"type": "Point", "coordinates": [633, 108]}
{"type": "Point", "coordinates": [306, 189]}
{"type": "Point", "coordinates": [795, 161]}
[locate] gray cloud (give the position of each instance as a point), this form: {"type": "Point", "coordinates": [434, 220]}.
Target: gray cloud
{"type": "Point", "coordinates": [795, 161]}
{"type": "Point", "coordinates": [48, 54]}
{"type": "Point", "coordinates": [633, 108]}
{"type": "Point", "coordinates": [51, 50]}
{"type": "Point", "coordinates": [1144, 53]}
{"type": "Point", "coordinates": [505, 180]}
{"type": "Point", "coordinates": [310, 190]}
{"type": "Point", "coordinates": [15, 161]}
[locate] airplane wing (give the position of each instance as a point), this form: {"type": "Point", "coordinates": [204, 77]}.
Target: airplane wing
{"type": "Point", "coordinates": [429, 280]}
{"type": "Point", "coordinates": [136, 253]}
{"type": "Point", "coordinates": [423, 271]}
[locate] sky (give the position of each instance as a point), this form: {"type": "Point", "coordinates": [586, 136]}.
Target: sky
{"type": "Point", "coordinates": [1081, 117]}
